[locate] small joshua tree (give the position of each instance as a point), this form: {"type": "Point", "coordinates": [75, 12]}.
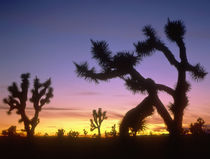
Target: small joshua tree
{"type": "Point", "coordinates": [73, 134]}
{"type": "Point", "coordinates": [60, 132]}
{"type": "Point", "coordinates": [197, 127]}
{"type": "Point", "coordinates": [41, 94]}
{"type": "Point", "coordinates": [98, 118]}
{"type": "Point", "coordinates": [113, 132]}
{"type": "Point", "coordinates": [85, 132]}
{"type": "Point", "coordinates": [11, 131]}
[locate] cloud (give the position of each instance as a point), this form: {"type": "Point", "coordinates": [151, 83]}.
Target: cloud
{"type": "Point", "coordinates": [200, 34]}
{"type": "Point", "coordinates": [51, 126]}
{"type": "Point", "coordinates": [3, 87]}
{"type": "Point", "coordinates": [76, 114]}
{"type": "Point", "coordinates": [159, 128]}
{"type": "Point", "coordinates": [4, 108]}
{"type": "Point", "coordinates": [58, 108]}
{"type": "Point", "coordinates": [47, 108]}
{"type": "Point", "coordinates": [115, 115]}
{"type": "Point", "coordinates": [87, 93]}
{"type": "Point", "coordinates": [120, 95]}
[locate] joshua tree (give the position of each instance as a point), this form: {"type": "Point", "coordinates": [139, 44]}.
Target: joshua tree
{"type": "Point", "coordinates": [85, 132]}
{"type": "Point", "coordinates": [122, 65]}
{"type": "Point", "coordinates": [197, 127]}
{"type": "Point", "coordinates": [11, 131]}
{"type": "Point", "coordinates": [73, 134]}
{"type": "Point", "coordinates": [113, 132]}
{"type": "Point", "coordinates": [41, 94]}
{"type": "Point", "coordinates": [98, 118]}
{"type": "Point", "coordinates": [60, 132]}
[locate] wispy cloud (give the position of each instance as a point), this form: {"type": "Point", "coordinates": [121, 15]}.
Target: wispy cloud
{"type": "Point", "coordinates": [87, 93]}
{"type": "Point", "coordinates": [159, 128]}
{"type": "Point", "coordinates": [3, 87]}
{"type": "Point", "coordinates": [4, 108]}
{"type": "Point", "coordinates": [44, 108]}
{"type": "Point", "coordinates": [115, 115]}
{"type": "Point", "coordinates": [51, 126]}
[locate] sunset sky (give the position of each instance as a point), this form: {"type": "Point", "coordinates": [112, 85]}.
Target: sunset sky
{"type": "Point", "coordinates": [45, 37]}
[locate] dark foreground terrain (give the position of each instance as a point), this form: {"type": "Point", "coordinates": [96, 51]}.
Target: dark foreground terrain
{"type": "Point", "coordinates": [88, 148]}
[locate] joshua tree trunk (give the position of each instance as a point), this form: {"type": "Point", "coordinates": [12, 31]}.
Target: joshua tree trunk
{"type": "Point", "coordinates": [181, 100]}
{"type": "Point", "coordinates": [99, 132]}
{"type": "Point", "coordinates": [163, 113]}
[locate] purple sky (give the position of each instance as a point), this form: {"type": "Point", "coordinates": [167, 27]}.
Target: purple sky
{"type": "Point", "coordinates": [44, 37]}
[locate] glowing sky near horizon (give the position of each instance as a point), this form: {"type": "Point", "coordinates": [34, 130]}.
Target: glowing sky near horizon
{"type": "Point", "coordinates": [45, 37]}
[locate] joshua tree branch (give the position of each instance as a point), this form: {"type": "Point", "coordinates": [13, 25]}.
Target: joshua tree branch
{"type": "Point", "coordinates": [163, 112]}
{"type": "Point", "coordinates": [168, 54]}
{"type": "Point", "coordinates": [160, 87]}
{"type": "Point", "coordinates": [84, 71]}
{"type": "Point", "coordinates": [197, 71]}
{"type": "Point", "coordinates": [165, 88]}
{"type": "Point", "coordinates": [182, 51]}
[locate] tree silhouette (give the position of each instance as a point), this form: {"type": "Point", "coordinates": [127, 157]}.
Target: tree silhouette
{"type": "Point", "coordinates": [11, 131]}
{"type": "Point", "coordinates": [197, 127]}
{"type": "Point", "coordinates": [98, 118]}
{"type": "Point", "coordinates": [60, 133]}
{"type": "Point", "coordinates": [41, 94]}
{"type": "Point", "coordinates": [122, 65]}
{"type": "Point", "coordinates": [85, 132]}
{"type": "Point", "coordinates": [73, 134]}
{"type": "Point", "coordinates": [113, 131]}
{"type": "Point", "coordinates": [134, 118]}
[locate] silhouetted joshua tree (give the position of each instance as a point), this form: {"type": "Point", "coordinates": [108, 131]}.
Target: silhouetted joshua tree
{"type": "Point", "coordinates": [85, 132]}
{"type": "Point", "coordinates": [98, 118]}
{"type": "Point", "coordinates": [197, 127]}
{"type": "Point", "coordinates": [73, 134]}
{"type": "Point", "coordinates": [60, 133]}
{"type": "Point", "coordinates": [41, 94]}
{"type": "Point", "coordinates": [11, 131]}
{"type": "Point", "coordinates": [122, 65]}
{"type": "Point", "coordinates": [113, 131]}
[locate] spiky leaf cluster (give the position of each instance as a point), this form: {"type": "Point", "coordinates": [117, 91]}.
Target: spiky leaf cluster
{"type": "Point", "coordinates": [100, 51]}
{"type": "Point", "coordinates": [135, 85]}
{"type": "Point", "coordinates": [198, 72]}
{"type": "Point", "coordinates": [175, 30]}
{"type": "Point", "coordinates": [147, 47]}
{"type": "Point", "coordinates": [83, 70]}
{"type": "Point", "coordinates": [124, 61]}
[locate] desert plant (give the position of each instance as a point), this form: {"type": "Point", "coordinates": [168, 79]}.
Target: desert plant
{"type": "Point", "coordinates": [98, 118]}
{"type": "Point", "coordinates": [106, 134]}
{"type": "Point", "coordinates": [60, 132]}
{"type": "Point", "coordinates": [113, 131]}
{"type": "Point", "coordinates": [197, 127]}
{"type": "Point", "coordinates": [122, 65]}
{"type": "Point", "coordinates": [11, 131]}
{"type": "Point", "coordinates": [41, 94]}
{"type": "Point", "coordinates": [141, 126]}
{"type": "Point", "coordinates": [46, 135]}
{"type": "Point", "coordinates": [73, 134]}
{"type": "Point", "coordinates": [85, 132]}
